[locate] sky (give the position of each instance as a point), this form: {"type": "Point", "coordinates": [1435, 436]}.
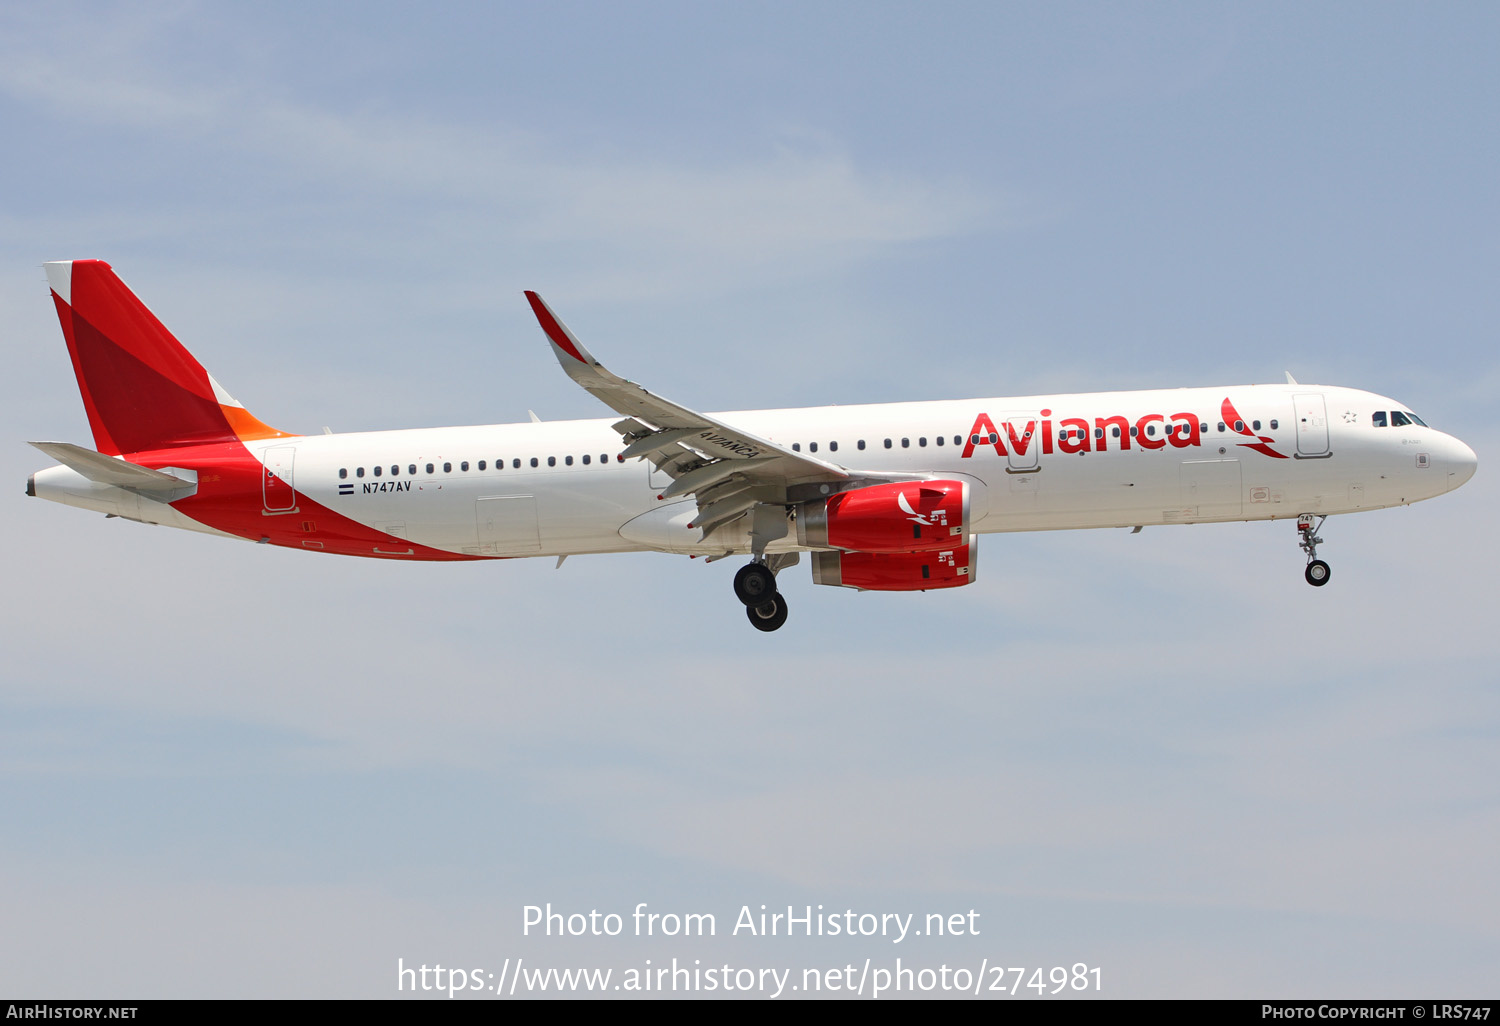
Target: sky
{"type": "Point", "coordinates": [229, 770]}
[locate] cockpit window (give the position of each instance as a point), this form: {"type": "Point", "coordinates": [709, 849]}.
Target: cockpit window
{"type": "Point", "coordinates": [1378, 418]}
{"type": "Point", "coordinates": [1399, 419]}
{"type": "Point", "coordinates": [1415, 419]}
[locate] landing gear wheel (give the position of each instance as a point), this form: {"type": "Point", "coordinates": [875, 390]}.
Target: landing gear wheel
{"type": "Point", "coordinates": [1317, 573]}
{"type": "Point", "coordinates": [769, 615]}
{"type": "Point", "coordinates": [754, 584]}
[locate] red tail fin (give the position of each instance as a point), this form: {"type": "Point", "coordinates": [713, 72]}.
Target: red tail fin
{"type": "Point", "coordinates": [141, 388]}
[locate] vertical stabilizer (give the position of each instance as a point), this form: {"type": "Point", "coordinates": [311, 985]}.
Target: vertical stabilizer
{"type": "Point", "coordinates": [141, 388]}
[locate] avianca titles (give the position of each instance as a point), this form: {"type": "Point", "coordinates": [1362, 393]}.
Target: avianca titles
{"type": "Point", "coordinates": [888, 497]}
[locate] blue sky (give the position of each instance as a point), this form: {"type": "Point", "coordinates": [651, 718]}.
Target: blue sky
{"type": "Point", "coordinates": [228, 770]}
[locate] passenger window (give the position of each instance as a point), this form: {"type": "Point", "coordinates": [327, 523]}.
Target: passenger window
{"type": "Point", "coordinates": [586, 458]}
{"type": "Point", "coordinates": [1239, 426]}
{"type": "Point", "coordinates": [939, 439]}
{"type": "Point", "coordinates": [1098, 432]}
{"type": "Point", "coordinates": [861, 445]}
{"type": "Point", "coordinates": [1115, 431]}
{"type": "Point", "coordinates": [887, 443]}
{"type": "Point", "coordinates": [1274, 425]}
{"type": "Point", "coordinates": [1203, 428]}
{"type": "Point", "coordinates": [796, 447]}
{"type": "Point", "coordinates": [1133, 431]}
{"type": "Point", "coordinates": [974, 440]}
{"type": "Point", "coordinates": [515, 464]}
{"type": "Point", "coordinates": [447, 468]}
{"type": "Point", "coordinates": [551, 461]}
{"type": "Point", "coordinates": [958, 439]}
{"type": "Point", "coordinates": [1399, 419]}
{"type": "Point", "coordinates": [833, 447]}
{"type": "Point", "coordinates": [922, 442]}
{"type": "Point", "coordinates": [343, 473]}
{"type": "Point", "coordinates": [412, 470]}
{"type": "Point", "coordinates": [377, 471]}
{"type": "Point", "coordinates": [812, 446]}
{"type": "Point", "coordinates": [534, 462]}
{"type": "Point", "coordinates": [396, 471]}
{"type": "Point", "coordinates": [464, 466]}
{"type": "Point", "coordinates": [359, 471]}
{"type": "Point", "coordinates": [906, 443]}
{"type": "Point", "coordinates": [568, 460]}
{"type": "Point", "coordinates": [1255, 425]}
{"type": "Point", "coordinates": [429, 468]}
{"type": "Point", "coordinates": [480, 464]}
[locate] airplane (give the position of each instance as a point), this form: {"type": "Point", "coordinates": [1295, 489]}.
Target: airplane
{"type": "Point", "coordinates": [888, 497]}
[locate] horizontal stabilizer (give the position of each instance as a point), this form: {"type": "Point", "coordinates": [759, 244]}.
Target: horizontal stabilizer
{"type": "Point", "coordinates": [111, 471]}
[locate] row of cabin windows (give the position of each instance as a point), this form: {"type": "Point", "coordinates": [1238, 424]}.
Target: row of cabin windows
{"type": "Point", "coordinates": [1076, 433]}
{"type": "Point", "coordinates": [905, 444]}
{"type": "Point", "coordinates": [1377, 419]}
{"type": "Point", "coordinates": [586, 459]}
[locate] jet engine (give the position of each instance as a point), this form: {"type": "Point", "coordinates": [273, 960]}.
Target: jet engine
{"type": "Point", "coordinates": [897, 571]}
{"type": "Point", "coordinates": [914, 516]}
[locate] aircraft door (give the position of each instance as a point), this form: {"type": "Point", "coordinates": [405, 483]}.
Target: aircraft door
{"type": "Point", "coordinates": [1211, 488]}
{"type": "Point", "coordinates": [277, 489]}
{"type": "Point", "coordinates": [507, 525]}
{"type": "Point", "coordinates": [1312, 425]}
{"type": "Point", "coordinates": [1022, 444]}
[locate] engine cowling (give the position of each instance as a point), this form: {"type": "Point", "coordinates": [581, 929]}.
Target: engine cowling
{"type": "Point", "coordinates": [897, 571]}
{"type": "Point", "coordinates": [912, 516]}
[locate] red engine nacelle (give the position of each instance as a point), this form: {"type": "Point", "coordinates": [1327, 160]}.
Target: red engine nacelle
{"type": "Point", "coordinates": [897, 571]}
{"type": "Point", "coordinates": [915, 516]}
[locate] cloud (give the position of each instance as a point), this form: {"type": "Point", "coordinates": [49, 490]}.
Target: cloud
{"type": "Point", "coordinates": [462, 196]}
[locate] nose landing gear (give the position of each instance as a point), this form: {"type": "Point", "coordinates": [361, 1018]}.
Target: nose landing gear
{"type": "Point", "coordinates": [1317, 573]}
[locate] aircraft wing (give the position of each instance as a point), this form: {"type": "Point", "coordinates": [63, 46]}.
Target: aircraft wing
{"type": "Point", "coordinates": [727, 470]}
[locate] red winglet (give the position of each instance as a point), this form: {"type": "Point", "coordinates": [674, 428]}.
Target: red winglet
{"type": "Point", "coordinates": [553, 327]}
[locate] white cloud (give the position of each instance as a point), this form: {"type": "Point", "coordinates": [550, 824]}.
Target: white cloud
{"type": "Point", "coordinates": [604, 224]}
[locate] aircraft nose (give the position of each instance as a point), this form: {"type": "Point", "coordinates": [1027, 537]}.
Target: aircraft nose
{"type": "Point", "coordinates": [1461, 464]}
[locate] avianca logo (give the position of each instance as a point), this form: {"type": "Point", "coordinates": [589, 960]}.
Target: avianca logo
{"type": "Point", "coordinates": [1234, 420]}
{"type": "Point", "coordinates": [1075, 434]}
{"type": "Point", "coordinates": [940, 515]}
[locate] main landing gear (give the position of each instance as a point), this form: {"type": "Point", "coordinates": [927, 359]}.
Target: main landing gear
{"type": "Point", "coordinates": [1317, 572]}
{"type": "Point", "coordinates": [755, 586]}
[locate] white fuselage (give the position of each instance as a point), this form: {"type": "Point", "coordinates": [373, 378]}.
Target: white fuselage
{"type": "Point", "coordinates": [558, 488]}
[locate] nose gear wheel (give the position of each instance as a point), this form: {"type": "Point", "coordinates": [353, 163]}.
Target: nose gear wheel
{"type": "Point", "coordinates": [1317, 572]}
